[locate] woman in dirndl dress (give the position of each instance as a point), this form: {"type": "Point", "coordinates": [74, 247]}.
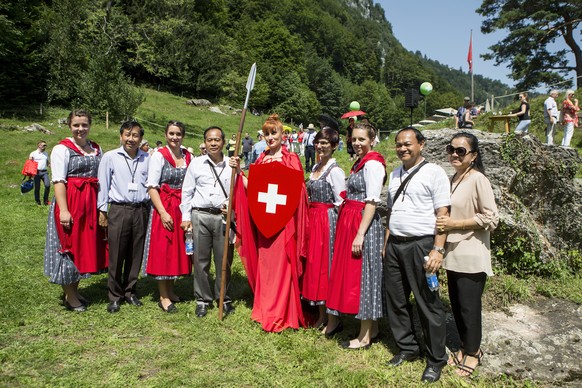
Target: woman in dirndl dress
{"type": "Point", "coordinates": [165, 253]}
{"type": "Point", "coordinates": [355, 284]}
{"type": "Point", "coordinates": [326, 185]}
{"type": "Point", "coordinates": [75, 244]}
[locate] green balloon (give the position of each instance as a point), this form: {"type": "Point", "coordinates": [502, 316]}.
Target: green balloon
{"type": "Point", "coordinates": [425, 88]}
{"type": "Point", "coordinates": [354, 105]}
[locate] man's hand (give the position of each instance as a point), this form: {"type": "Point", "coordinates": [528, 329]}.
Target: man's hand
{"type": "Point", "coordinates": [103, 219]}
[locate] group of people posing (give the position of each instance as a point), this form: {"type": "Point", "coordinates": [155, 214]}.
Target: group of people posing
{"type": "Point", "coordinates": [333, 252]}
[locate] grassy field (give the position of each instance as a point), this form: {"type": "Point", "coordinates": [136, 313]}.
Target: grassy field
{"type": "Point", "coordinates": [42, 344]}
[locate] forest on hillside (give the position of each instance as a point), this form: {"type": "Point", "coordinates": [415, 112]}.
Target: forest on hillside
{"type": "Point", "coordinates": [313, 57]}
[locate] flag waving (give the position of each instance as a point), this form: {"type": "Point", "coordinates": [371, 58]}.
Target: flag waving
{"type": "Point", "coordinates": [470, 54]}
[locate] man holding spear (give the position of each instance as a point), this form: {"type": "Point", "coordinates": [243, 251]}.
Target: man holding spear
{"type": "Point", "coordinates": [204, 209]}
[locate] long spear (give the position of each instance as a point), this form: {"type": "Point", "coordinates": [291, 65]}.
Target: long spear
{"type": "Point", "coordinates": [250, 86]}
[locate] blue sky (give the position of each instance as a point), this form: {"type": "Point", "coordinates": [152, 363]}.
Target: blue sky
{"type": "Point", "coordinates": [440, 29]}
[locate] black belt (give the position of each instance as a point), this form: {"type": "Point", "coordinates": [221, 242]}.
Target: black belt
{"type": "Point", "coordinates": [41, 170]}
{"type": "Point", "coordinates": [131, 204]}
{"type": "Point", "coordinates": [210, 210]}
{"type": "Point", "coordinates": [411, 238]}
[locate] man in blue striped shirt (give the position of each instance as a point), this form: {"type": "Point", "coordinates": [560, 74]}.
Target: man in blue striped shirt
{"type": "Point", "coordinates": [123, 204]}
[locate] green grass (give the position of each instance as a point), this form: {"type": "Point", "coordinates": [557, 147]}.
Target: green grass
{"type": "Point", "coordinates": [41, 344]}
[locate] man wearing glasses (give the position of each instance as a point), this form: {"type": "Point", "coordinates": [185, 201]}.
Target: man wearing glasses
{"type": "Point", "coordinates": [40, 156]}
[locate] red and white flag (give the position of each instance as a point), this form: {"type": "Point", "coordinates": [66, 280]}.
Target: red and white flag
{"type": "Point", "coordinates": [470, 54]}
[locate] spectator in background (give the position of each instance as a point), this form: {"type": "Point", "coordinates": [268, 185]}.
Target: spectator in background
{"type": "Point", "coordinates": [460, 116]}
{"type": "Point", "coordinates": [309, 147]}
{"type": "Point", "coordinates": [159, 145]}
{"type": "Point", "coordinates": [145, 147]}
{"type": "Point", "coordinates": [294, 143]}
{"type": "Point", "coordinates": [349, 130]}
{"type": "Point", "coordinates": [247, 148]}
{"type": "Point", "coordinates": [40, 156]}
{"type": "Point", "coordinates": [551, 115]}
{"type": "Point", "coordinates": [202, 149]}
{"type": "Point", "coordinates": [300, 137]}
{"type": "Point", "coordinates": [523, 115]}
{"type": "Point", "coordinates": [231, 145]}
{"type": "Point", "coordinates": [569, 109]}
{"type": "Point", "coordinates": [467, 119]}
{"type": "Point", "coordinates": [259, 147]}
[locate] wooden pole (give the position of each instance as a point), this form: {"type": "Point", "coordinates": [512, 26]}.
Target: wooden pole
{"type": "Point", "coordinates": [250, 85]}
{"type": "Point", "coordinates": [107, 120]}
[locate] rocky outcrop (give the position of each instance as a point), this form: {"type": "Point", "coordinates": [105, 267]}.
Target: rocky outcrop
{"type": "Point", "coordinates": [198, 102]}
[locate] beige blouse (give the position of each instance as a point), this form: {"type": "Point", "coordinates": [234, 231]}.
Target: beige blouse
{"type": "Point", "coordinates": [468, 251]}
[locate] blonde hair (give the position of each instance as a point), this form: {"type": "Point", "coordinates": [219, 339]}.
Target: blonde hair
{"type": "Point", "coordinates": [271, 123]}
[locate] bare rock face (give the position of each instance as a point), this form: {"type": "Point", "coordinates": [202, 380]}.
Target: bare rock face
{"type": "Point", "coordinates": [198, 102]}
{"type": "Point", "coordinates": [34, 127]}
{"type": "Point", "coordinates": [540, 204]}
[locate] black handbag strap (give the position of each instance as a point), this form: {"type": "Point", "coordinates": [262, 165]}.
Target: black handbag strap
{"type": "Point", "coordinates": [408, 178]}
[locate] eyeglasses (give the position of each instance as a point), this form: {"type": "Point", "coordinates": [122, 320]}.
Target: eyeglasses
{"type": "Point", "coordinates": [460, 151]}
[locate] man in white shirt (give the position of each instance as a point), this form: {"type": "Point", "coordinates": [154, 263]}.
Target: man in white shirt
{"type": "Point", "coordinates": [40, 156]}
{"type": "Point", "coordinates": [551, 114]}
{"type": "Point", "coordinates": [204, 204]}
{"type": "Point", "coordinates": [309, 147]}
{"type": "Point", "coordinates": [410, 237]}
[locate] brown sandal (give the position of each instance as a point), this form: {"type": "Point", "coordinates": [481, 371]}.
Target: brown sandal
{"type": "Point", "coordinates": [467, 369]}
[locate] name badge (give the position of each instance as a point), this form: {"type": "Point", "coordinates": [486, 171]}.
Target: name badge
{"type": "Point", "coordinates": [131, 186]}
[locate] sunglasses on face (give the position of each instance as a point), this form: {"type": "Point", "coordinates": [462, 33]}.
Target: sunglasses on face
{"type": "Point", "coordinates": [460, 151]}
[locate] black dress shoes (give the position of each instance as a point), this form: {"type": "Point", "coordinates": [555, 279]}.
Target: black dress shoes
{"type": "Point", "coordinates": [171, 308]}
{"type": "Point", "coordinates": [201, 310]}
{"type": "Point", "coordinates": [227, 308]}
{"type": "Point", "coordinates": [431, 374]}
{"type": "Point", "coordinates": [346, 345]}
{"type": "Point", "coordinates": [79, 309]}
{"type": "Point", "coordinates": [335, 330]}
{"type": "Point", "coordinates": [133, 300]}
{"type": "Point", "coordinates": [113, 307]}
{"type": "Point", "coordinates": [401, 358]}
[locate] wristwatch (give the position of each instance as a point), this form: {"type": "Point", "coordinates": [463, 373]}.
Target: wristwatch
{"type": "Point", "coordinates": [439, 250]}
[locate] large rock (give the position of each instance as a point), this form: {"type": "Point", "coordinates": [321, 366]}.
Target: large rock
{"type": "Point", "coordinates": [540, 204]}
{"type": "Point", "coordinates": [35, 127]}
{"type": "Point", "coordinates": [198, 102]}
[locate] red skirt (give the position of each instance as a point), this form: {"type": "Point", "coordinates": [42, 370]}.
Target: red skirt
{"type": "Point", "coordinates": [316, 272]}
{"type": "Point", "coordinates": [346, 269]}
{"type": "Point", "coordinates": [167, 253]}
{"type": "Point", "coordinates": [85, 241]}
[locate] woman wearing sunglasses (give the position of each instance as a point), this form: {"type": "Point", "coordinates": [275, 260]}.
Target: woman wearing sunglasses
{"type": "Point", "coordinates": [467, 260]}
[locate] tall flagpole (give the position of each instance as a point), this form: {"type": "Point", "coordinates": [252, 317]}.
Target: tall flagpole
{"type": "Point", "coordinates": [470, 62]}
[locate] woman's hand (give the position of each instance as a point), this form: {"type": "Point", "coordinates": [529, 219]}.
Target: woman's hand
{"type": "Point", "coordinates": [66, 219]}
{"type": "Point", "coordinates": [167, 221]}
{"type": "Point", "coordinates": [357, 245]}
{"type": "Point", "coordinates": [443, 223]}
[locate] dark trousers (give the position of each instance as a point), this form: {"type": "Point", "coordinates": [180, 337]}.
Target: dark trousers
{"type": "Point", "coordinates": [309, 158]}
{"type": "Point", "coordinates": [209, 242]}
{"type": "Point", "coordinates": [42, 175]}
{"type": "Point", "coordinates": [465, 291]}
{"type": "Point", "coordinates": [404, 273]}
{"type": "Point", "coordinates": [126, 234]}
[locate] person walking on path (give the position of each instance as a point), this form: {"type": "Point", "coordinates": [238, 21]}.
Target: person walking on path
{"type": "Point", "coordinates": [551, 115]}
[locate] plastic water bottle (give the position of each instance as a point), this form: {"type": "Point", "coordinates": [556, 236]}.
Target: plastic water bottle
{"type": "Point", "coordinates": [431, 278]}
{"type": "Point", "coordinates": [189, 242]}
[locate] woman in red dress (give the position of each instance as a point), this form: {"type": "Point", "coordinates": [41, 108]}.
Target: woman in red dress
{"type": "Point", "coordinates": [273, 263]}
{"type": "Point", "coordinates": [75, 246]}
{"type": "Point", "coordinates": [165, 254]}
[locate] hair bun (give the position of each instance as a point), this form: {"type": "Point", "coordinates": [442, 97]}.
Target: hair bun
{"type": "Point", "coordinates": [274, 117]}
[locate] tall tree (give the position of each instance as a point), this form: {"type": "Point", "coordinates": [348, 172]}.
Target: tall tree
{"type": "Point", "coordinates": [533, 26]}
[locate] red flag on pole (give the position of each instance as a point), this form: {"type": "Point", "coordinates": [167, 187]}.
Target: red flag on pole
{"type": "Point", "coordinates": [470, 54]}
